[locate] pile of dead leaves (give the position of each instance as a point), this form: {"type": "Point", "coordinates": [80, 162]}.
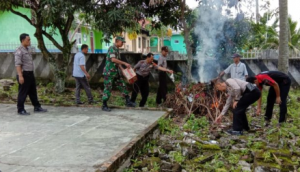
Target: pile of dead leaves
{"type": "Point", "coordinates": [199, 99]}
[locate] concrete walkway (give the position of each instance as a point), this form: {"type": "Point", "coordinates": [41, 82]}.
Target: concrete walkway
{"type": "Point", "coordinates": [66, 139]}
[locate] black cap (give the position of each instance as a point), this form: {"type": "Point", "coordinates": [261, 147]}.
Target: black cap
{"type": "Point", "coordinates": [236, 55]}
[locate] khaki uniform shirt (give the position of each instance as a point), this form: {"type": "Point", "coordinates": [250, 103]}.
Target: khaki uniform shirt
{"type": "Point", "coordinates": [143, 68]}
{"type": "Point", "coordinates": [23, 58]}
{"type": "Point", "coordinates": [235, 89]}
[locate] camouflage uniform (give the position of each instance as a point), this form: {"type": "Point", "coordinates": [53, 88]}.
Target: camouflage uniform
{"type": "Point", "coordinates": [111, 74]}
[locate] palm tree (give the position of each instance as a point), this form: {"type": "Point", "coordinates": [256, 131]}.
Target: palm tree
{"type": "Point", "coordinates": [283, 64]}
{"type": "Point", "coordinates": [294, 36]}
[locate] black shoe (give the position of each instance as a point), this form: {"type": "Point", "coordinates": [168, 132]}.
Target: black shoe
{"type": "Point", "coordinates": [105, 107]}
{"type": "Point", "coordinates": [232, 132]}
{"type": "Point", "coordinates": [39, 109]}
{"type": "Point", "coordinates": [267, 123]}
{"type": "Point", "coordinates": [128, 102]}
{"type": "Point", "coordinates": [79, 103]}
{"type": "Point", "coordinates": [93, 102]}
{"type": "Point", "coordinates": [23, 112]}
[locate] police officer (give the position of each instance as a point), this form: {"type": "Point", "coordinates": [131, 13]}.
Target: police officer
{"type": "Point", "coordinates": [111, 74]}
{"type": "Point", "coordinates": [25, 76]}
{"type": "Point", "coordinates": [143, 68]}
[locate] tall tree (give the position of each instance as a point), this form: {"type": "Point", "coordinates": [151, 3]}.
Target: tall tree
{"type": "Point", "coordinates": [47, 17]}
{"type": "Point", "coordinates": [283, 60]}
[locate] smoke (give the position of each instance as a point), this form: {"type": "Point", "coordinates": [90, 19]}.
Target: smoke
{"type": "Point", "coordinates": [216, 32]}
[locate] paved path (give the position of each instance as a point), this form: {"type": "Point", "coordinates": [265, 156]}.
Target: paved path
{"type": "Point", "coordinates": [66, 139]}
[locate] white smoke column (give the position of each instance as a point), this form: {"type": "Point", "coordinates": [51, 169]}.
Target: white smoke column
{"type": "Point", "coordinates": [209, 28]}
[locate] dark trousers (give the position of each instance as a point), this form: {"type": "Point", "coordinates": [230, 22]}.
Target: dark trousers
{"type": "Point", "coordinates": [240, 121]}
{"type": "Point", "coordinates": [284, 88]}
{"type": "Point", "coordinates": [82, 82]}
{"type": "Point", "coordinates": [27, 88]}
{"type": "Point", "coordinates": [142, 85]}
{"type": "Point", "coordinates": [162, 88]}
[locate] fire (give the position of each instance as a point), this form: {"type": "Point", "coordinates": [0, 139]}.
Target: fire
{"type": "Point", "coordinates": [214, 105]}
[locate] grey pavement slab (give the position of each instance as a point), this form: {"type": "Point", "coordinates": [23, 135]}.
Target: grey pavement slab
{"type": "Point", "coordinates": [67, 139]}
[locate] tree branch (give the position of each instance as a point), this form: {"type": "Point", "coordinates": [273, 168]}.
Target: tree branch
{"type": "Point", "coordinates": [23, 16]}
{"type": "Point", "coordinates": [69, 24]}
{"type": "Point", "coordinates": [52, 40]}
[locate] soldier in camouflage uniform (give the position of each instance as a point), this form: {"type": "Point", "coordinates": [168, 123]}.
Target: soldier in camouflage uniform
{"type": "Point", "coordinates": [111, 74]}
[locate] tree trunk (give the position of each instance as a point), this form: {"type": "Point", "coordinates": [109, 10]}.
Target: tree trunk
{"type": "Point", "coordinates": [283, 60]}
{"type": "Point", "coordinates": [189, 55]}
{"type": "Point", "coordinates": [257, 12]}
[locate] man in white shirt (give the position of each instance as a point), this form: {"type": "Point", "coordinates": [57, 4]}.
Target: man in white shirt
{"type": "Point", "coordinates": [237, 70]}
{"type": "Point", "coordinates": [81, 75]}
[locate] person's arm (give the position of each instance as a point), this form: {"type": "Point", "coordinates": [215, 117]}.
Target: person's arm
{"type": "Point", "coordinates": [277, 91]}
{"type": "Point", "coordinates": [245, 72]}
{"type": "Point", "coordinates": [82, 66]}
{"type": "Point", "coordinates": [18, 64]}
{"type": "Point", "coordinates": [20, 74]}
{"type": "Point", "coordinates": [258, 110]}
{"type": "Point", "coordinates": [137, 66]}
{"type": "Point", "coordinates": [227, 105]}
{"type": "Point", "coordinates": [164, 69]}
{"type": "Point", "coordinates": [267, 80]}
{"type": "Point", "coordinates": [85, 72]}
{"type": "Point", "coordinates": [160, 61]}
{"type": "Point", "coordinates": [221, 74]}
{"type": "Point", "coordinates": [120, 62]}
{"type": "Point", "coordinates": [226, 71]}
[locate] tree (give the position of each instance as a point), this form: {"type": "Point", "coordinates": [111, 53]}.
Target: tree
{"type": "Point", "coordinates": [283, 63]}
{"type": "Point", "coordinates": [48, 17]}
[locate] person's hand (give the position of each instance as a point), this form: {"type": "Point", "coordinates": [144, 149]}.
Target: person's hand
{"type": "Point", "coordinates": [278, 100]}
{"type": "Point", "coordinates": [170, 71]}
{"type": "Point", "coordinates": [88, 76]}
{"type": "Point", "coordinates": [21, 80]}
{"type": "Point", "coordinates": [234, 104]}
{"type": "Point", "coordinates": [128, 65]}
{"type": "Point", "coordinates": [219, 119]}
{"type": "Point", "coordinates": [258, 111]}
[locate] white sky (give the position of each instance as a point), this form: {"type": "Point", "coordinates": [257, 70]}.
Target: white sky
{"type": "Point", "coordinates": [293, 7]}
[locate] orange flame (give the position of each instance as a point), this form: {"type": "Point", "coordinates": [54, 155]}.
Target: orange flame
{"type": "Point", "coordinates": [215, 105]}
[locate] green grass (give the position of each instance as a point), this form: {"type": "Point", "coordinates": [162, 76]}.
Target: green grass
{"type": "Point", "coordinates": [47, 95]}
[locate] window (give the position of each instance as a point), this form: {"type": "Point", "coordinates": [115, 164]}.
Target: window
{"type": "Point", "coordinates": [176, 41]}
{"type": "Point", "coordinates": [92, 34]}
{"type": "Point", "coordinates": [148, 43]}
{"type": "Point", "coordinates": [139, 42]}
{"type": "Point", "coordinates": [107, 44]}
{"type": "Point", "coordinates": [78, 38]}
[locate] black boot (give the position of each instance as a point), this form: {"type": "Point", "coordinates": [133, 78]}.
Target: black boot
{"type": "Point", "coordinates": [128, 102]}
{"type": "Point", "coordinates": [105, 107]}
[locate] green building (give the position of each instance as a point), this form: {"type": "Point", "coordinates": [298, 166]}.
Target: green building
{"type": "Point", "coordinates": [175, 43]}
{"type": "Point", "coordinates": [11, 26]}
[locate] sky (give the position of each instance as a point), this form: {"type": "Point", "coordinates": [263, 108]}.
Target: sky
{"type": "Point", "coordinates": [293, 8]}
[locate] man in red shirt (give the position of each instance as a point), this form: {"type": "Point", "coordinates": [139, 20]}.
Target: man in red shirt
{"type": "Point", "coordinates": [280, 84]}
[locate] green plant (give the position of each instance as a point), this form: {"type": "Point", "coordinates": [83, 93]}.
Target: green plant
{"type": "Point", "coordinates": [155, 168]}
{"type": "Point", "coordinates": [267, 156]}
{"type": "Point", "coordinates": [233, 158]}
{"type": "Point", "coordinates": [177, 157]}
{"type": "Point", "coordinates": [195, 124]}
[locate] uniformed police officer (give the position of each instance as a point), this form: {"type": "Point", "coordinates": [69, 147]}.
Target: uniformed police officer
{"type": "Point", "coordinates": [111, 74]}
{"type": "Point", "coordinates": [25, 77]}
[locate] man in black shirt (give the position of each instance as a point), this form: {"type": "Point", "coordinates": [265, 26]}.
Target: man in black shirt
{"type": "Point", "coordinates": [280, 84]}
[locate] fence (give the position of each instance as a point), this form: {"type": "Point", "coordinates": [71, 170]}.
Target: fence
{"type": "Point", "coordinates": [11, 47]}
{"type": "Point", "coordinates": [267, 54]}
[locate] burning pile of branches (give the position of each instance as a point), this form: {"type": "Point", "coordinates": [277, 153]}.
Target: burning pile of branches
{"type": "Point", "coordinates": [200, 99]}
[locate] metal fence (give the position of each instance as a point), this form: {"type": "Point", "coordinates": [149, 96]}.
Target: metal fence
{"type": "Point", "coordinates": [267, 54]}
{"type": "Point", "coordinates": [11, 47]}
